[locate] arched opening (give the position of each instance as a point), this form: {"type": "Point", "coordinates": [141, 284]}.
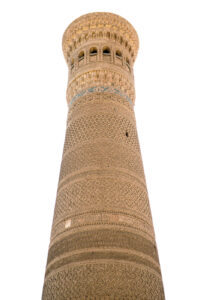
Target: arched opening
{"type": "Point", "coordinates": [118, 54]}
{"type": "Point", "coordinates": [81, 56]}
{"type": "Point", "coordinates": [93, 51]}
{"type": "Point", "coordinates": [106, 51]}
{"type": "Point", "coordinates": [93, 54]}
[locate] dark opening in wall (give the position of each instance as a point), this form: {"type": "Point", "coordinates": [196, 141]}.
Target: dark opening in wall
{"type": "Point", "coordinates": [126, 133]}
{"type": "Point", "coordinates": [93, 51]}
{"type": "Point", "coordinates": [118, 54]}
{"type": "Point", "coordinates": [106, 51]}
{"type": "Point", "coordinates": [81, 55]}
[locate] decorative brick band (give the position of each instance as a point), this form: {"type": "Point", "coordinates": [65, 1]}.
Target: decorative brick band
{"type": "Point", "coordinates": [104, 217]}
{"type": "Point", "coordinates": [102, 238]}
{"type": "Point", "coordinates": [102, 255]}
{"type": "Point", "coordinates": [103, 280]}
{"type": "Point", "coordinates": [102, 89]}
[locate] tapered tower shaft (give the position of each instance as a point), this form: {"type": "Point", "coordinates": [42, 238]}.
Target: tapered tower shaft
{"type": "Point", "coordinates": [102, 242]}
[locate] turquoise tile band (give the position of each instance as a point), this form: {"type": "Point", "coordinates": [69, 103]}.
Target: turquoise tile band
{"type": "Point", "coordinates": [100, 89]}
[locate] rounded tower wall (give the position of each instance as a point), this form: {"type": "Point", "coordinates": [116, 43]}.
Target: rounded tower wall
{"type": "Point", "coordinates": [102, 241]}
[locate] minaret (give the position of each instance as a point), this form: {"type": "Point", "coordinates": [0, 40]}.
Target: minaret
{"type": "Point", "coordinates": [102, 241]}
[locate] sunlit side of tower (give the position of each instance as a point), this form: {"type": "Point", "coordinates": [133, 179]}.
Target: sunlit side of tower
{"type": "Point", "coordinates": [102, 241]}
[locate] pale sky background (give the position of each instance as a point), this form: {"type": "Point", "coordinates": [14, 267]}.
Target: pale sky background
{"type": "Point", "coordinates": [33, 112]}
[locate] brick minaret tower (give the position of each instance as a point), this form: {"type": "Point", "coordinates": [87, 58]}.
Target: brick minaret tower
{"type": "Point", "coordinates": [102, 241]}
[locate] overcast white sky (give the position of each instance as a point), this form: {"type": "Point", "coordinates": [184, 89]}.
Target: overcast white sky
{"type": "Point", "coordinates": [33, 77]}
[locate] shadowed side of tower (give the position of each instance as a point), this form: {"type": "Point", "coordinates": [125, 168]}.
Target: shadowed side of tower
{"type": "Point", "coordinates": [102, 241]}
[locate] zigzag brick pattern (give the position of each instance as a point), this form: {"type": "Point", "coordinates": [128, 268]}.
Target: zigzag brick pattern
{"type": "Point", "coordinates": [102, 240]}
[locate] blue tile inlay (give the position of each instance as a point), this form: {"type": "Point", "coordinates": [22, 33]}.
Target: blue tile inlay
{"type": "Point", "coordinates": [100, 89]}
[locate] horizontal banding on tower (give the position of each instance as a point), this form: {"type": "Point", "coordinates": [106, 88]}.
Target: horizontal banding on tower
{"type": "Point", "coordinates": [102, 240]}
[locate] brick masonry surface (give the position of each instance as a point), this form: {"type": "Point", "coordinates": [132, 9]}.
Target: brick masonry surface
{"type": "Point", "coordinates": [102, 241]}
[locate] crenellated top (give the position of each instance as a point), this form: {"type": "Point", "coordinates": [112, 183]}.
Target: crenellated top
{"type": "Point", "coordinates": [100, 50]}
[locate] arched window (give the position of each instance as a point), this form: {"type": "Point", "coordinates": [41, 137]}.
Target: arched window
{"type": "Point", "coordinates": [106, 51]}
{"type": "Point", "coordinates": [81, 56]}
{"type": "Point", "coordinates": [93, 51]}
{"type": "Point", "coordinates": [118, 54]}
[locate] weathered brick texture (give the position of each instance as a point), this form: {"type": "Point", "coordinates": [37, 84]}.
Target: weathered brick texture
{"type": "Point", "coordinates": [102, 242]}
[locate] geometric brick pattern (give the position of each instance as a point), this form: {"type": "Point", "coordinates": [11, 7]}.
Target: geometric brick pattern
{"type": "Point", "coordinates": [100, 78]}
{"type": "Point", "coordinates": [104, 281]}
{"type": "Point", "coordinates": [102, 242]}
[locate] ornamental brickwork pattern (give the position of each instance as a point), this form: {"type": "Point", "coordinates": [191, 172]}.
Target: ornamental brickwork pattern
{"type": "Point", "coordinates": [102, 240]}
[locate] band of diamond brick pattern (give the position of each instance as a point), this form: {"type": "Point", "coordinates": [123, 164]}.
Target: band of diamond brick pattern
{"type": "Point", "coordinates": [104, 281]}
